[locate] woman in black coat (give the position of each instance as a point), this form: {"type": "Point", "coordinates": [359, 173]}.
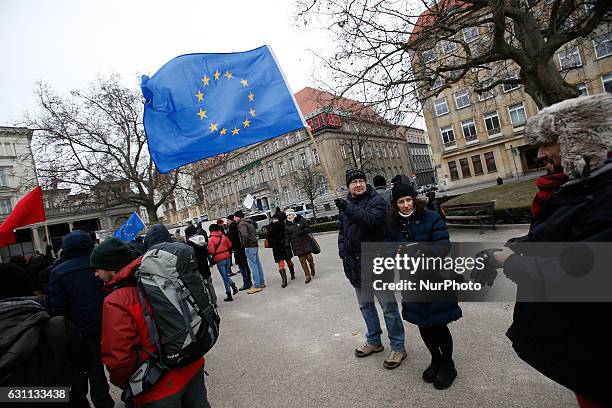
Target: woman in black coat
{"type": "Point", "coordinates": [409, 221]}
{"type": "Point", "coordinates": [276, 238]}
{"type": "Point", "coordinates": [297, 239]}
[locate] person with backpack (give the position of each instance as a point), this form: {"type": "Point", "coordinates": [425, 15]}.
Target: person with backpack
{"type": "Point", "coordinates": [219, 247]}
{"type": "Point", "coordinates": [199, 243]}
{"type": "Point", "coordinates": [129, 338]}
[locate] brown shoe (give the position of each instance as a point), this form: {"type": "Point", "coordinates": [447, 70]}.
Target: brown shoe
{"type": "Point", "coordinates": [394, 359]}
{"type": "Point", "coordinates": [308, 279]}
{"type": "Point", "coordinates": [366, 349]}
{"type": "Point", "coordinates": [254, 290]}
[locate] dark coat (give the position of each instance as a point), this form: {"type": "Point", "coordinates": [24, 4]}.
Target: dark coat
{"type": "Point", "coordinates": [199, 245]}
{"type": "Point", "coordinates": [247, 230]}
{"type": "Point", "coordinates": [74, 290]}
{"type": "Point", "coordinates": [276, 238]}
{"type": "Point", "coordinates": [568, 342]}
{"type": "Point", "coordinates": [297, 236]}
{"type": "Point", "coordinates": [234, 236]}
{"type": "Point", "coordinates": [362, 220]}
{"type": "Point", "coordinates": [426, 226]}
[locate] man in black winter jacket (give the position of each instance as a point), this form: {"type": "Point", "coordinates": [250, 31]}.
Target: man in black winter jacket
{"type": "Point", "coordinates": [567, 342]}
{"type": "Point", "coordinates": [239, 254]}
{"type": "Point", "coordinates": [200, 247]}
{"type": "Point", "coordinates": [75, 292]}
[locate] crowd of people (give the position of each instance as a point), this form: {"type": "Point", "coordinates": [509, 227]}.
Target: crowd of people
{"type": "Point", "coordinates": [63, 321]}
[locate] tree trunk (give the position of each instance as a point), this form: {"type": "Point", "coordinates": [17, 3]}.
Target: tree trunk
{"type": "Point", "coordinates": [152, 212]}
{"type": "Point", "coordinates": [314, 211]}
{"type": "Point", "coordinates": [545, 84]}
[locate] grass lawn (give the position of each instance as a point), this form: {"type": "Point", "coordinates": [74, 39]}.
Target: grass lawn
{"type": "Point", "coordinates": [513, 195]}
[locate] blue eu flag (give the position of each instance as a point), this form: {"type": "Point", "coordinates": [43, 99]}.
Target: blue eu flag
{"type": "Point", "coordinates": [128, 231]}
{"type": "Point", "coordinates": [202, 105]}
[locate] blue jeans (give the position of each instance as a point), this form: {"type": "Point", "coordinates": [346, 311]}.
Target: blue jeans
{"type": "Point", "coordinates": [393, 321]}
{"type": "Point", "coordinates": [225, 268]}
{"type": "Point", "coordinates": [255, 266]}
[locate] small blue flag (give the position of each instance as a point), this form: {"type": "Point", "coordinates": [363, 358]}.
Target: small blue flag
{"type": "Point", "coordinates": [201, 105]}
{"type": "Point", "coordinates": [128, 231]}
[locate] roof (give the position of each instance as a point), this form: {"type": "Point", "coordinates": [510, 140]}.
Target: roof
{"type": "Point", "coordinates": [310, 100]}
{"type": "Point", "coordinates": [428, 17]}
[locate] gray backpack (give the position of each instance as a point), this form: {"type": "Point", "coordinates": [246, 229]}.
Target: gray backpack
{"type": "Point", "coordinates": [184, 323]}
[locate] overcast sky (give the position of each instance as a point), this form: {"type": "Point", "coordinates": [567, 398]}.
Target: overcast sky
{"type": "Point", "coordinates": [69, 43]}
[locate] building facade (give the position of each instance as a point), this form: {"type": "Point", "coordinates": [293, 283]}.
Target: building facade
{"type": "Point", "coordinates": [478, 138]}
{"type": "Point", "coordinates": [343, 139]}
{"type": "Point", "coordinates": [421, 158]}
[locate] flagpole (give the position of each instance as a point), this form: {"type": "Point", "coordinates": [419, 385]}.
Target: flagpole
{"type": "Point", "coordinates": [324, 163]}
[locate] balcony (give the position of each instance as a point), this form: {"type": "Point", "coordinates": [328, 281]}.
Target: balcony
{"type": "Point", "coordinates": [494, 133]}
{"type": "Point", "coordinates": [251, 190]}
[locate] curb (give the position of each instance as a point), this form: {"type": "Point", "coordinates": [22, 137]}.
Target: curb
{"type": "Point", "coordinates": [488, 227]}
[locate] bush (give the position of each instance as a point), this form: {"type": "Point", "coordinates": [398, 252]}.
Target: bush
{"type": "Point", "coordinates": [324, 227]}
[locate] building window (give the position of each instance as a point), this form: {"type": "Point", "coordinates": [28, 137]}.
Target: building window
{"type": "Point", "coordinates": [465, 168]}
{"type": "Point", "coordinates": [4, 177]}
{"type": "Point", "coordinates": [470, 34]}
{"type": "Point", "coordinates": [276, 198]}
{"type": "Point", "coordinates": [281, 169]}
{"type": "Point", "coordinates": [437, 83]}
{"type": "Point", "coordinates": [237, 185]}
{"type": "Point", "coordinates": [377, 149]}
{"type": "Point", "coordinates": [253, 179]}
{"type": "Point", "coordinates": [287, 140]}
{"type": "Point", "coordinates": [315, 156]}
{"type": "Point", "coordinates": [384, 149]}
{"type": "Point", "coordinates": [5, 206]}
{"type": "Point", "coordinates": [469, 131]}
{"type": "Point", "coordinates": [428, 56]}
{"type": "Point", "coordinates": [448, 46]}
{"type": "Point", "coordinates": [298, 136]}
{"type": "Point", "coordinates": [304, 160]}
{"type": "Point", "coordinates": [287, 194]}
{"type": "Point", "coordinates": [245, 182]}
{"type": "Point", "coordinates": [275, 145]}
{"type": "Point", "coordinates": [510, 87]}
{"type": "Point", "coordinates": [448, 136]}
{"type": "Point", "coordinates": [462, 99]}
{"type": "Point", "coordinates": [477, 164]}
{"type": "Point", "coordinates": [441, 106]}
{"type": "Point", "coordinates": [343, 151]}
{"type": "Point", "coordinates": [266, 150]}
{"type": "Point", "coordinates": [323, 185]}
{"type": "Point", "coordinates": [582, 89]}
{"type": "Point", "coordinates": [569, 58]}
{"type": "Point", "coordinates": [490, 162]}
{"type": "Point", "coordinates": [492, 123]}
{"type": "Point", "coordinates": [271, 172]}
{"type": "Point", "coordinates": [517, 115]}
{"type": "Point", "coordinates": [397, 153]}
{"type": "Point", "coordinates": [487, 94]}
{"type": "Point", "coordinates": [257, 154]}
{"type": "Point", "coordinates": [291, 164]}
{"type": "Point", "coordinates": [606, 81]}
{"type": "Point", "coordinates": [262, 176]}
{"type": "Point", "coordinates": [452, 168]}
{"type": "Point", "coordinates": [603, 45]}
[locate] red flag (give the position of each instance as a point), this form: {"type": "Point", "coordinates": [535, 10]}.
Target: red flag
{"type": "Point", "coordinates": [29, 210]}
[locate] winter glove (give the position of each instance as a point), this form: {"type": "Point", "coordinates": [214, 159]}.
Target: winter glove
{"type": "Point", "coordinates": [340, 204]}
{"type": "Point", "coordinates": [489, 272]}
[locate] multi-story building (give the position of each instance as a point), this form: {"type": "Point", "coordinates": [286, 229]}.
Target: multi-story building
{"type": "Point", "coordinates": [420, 155]}
{"type": "Point", "coordinates": [478, 138]}
{"type": "Point", "coordinates": [347, 135]}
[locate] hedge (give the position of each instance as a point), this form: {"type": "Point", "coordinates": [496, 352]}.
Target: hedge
{"type": "Point", "coordinates": [520, 215]}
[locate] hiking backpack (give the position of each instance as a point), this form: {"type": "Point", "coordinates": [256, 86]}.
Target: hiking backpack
{"type": "Point", "coordinates": [183, 324]}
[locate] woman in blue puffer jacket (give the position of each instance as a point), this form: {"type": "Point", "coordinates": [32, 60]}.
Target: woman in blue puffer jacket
{"type": "Point", "coordinates": [409, 221]}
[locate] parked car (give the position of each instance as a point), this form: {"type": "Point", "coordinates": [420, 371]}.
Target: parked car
{"type": "Point", "coordinates": [305, 210]}
{"type": "Point", "coordinates": [262, 219]}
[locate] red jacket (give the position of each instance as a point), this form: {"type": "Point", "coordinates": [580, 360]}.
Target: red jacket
{"type": "Point", "coordinates": [219, 246]}
{"type": "Point", "coordinates": [124, 332]}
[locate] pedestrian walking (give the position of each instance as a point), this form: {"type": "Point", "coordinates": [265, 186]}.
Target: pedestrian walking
{"type": "Point", "coordinates": [280, 252]}
{"type": "Point", "coordinates": [247, 231]}
{"type": "Point", "coordinates": [219, 248]}
{"type": "Point", "coordinates": [410, 221]}
{"type": "Point", "coordinates": [362, 219]}
{"type": "Point", "coordinates": [200, 247]}
{"type": "Point", "coordinates": [299, 241]}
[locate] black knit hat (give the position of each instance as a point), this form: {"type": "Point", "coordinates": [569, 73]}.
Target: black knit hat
{"type": "Point", "coordinates": [379, 181]}
{"type": "Point", "coordinates": [191, 230]}
{"type": "Point", "coordinates": [402, 190]}
{"type": "Point", "coordinates": [112, 255]}
{"type": "Point", "coordinates": [239, 214]}
{"type": "Point", "coordinates": [354, 174]}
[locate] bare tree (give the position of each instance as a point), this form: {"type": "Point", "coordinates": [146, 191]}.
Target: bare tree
{"type": "Point", "coordinates": [389, 50]}
{"type": "Point", "coordinates": [312, 183]}
{"type": "Point", "coordinates": [93, 142]}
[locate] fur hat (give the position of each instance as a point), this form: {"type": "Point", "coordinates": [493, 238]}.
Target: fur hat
{"type": "Point", "coordinates": [354, 174]}
{"type": "Point", "coordinates": [583, 128]}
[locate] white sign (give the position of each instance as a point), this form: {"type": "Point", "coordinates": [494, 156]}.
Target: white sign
{"type": "Point", "coordinates": [248, 201]}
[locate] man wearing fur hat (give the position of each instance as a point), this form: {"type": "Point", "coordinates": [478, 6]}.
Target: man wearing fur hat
{"type": "Point", "coordinates": [568, 342]}
{"type": "Point", "coordinates": [362, 219]}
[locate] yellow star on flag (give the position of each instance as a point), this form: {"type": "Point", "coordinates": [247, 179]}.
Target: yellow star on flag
{"type": "Point", "coordinates": [213, 127]}
{"type": "Point", "coordinates": [202, 114]}
{"type": "Point", "coordinates": [223, 131]}
{"type": "Point", "coordinates": [246, 123]}
{"type": "Point", "coordinates": [252, 112]}
{"type": "Point", "coordinates": [244, 82]}
{"type": "Point", "coordinates": [235, 131]}
{"type": "Point", "coordinates": [217, 74]}
{"type": "Point", "coordinates": [228, 75]}
{"type": "Point", "coordinates": [205, 80]}
{"type": "Point", "coordinates": [200, 96]}
{"type": "Point", "coordinates": [251, 96]}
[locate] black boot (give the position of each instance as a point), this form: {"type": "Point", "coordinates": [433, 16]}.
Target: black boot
{"type": "Point", "coordinates": [292, 272]}
{"type": "Point", "coordinates": [446, 375]}
{"type": "Point", "coordinates": [283, 275]}
{"type": "Point", "coordinates": [229, 297]}
{"type": "Point", "coordinates": [429, 375]}
{"type": "Point", "coordinates": [234, 288]}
